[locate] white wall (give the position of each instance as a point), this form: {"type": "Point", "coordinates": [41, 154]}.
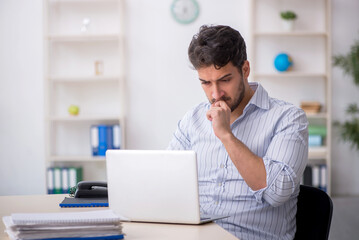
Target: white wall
{"type": "Point", "coordinates": [345, 161]}
{"type": "Point", "coordinates": [161, 85]}
{"type": "Point", "coordinates": [22, 169]}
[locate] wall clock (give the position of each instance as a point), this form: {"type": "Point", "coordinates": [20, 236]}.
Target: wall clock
{"type": "Point", "coordinates": [185, 11]}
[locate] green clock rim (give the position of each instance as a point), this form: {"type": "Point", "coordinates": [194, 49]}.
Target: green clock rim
{"type": "Point", "coordinates": [189, 20]}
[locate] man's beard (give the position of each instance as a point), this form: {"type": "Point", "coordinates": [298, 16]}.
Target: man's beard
{"type": "Point", "coordinates": [236, 102]}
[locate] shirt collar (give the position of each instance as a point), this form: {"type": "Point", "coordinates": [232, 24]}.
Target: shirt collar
{"type": "Point", "coordinates": [260, 97]}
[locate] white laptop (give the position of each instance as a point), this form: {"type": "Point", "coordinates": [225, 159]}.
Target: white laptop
{"type": "Point", "coordinates": [154, 186]}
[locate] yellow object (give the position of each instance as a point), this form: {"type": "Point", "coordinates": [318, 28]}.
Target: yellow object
{"type": "Point", "coordinates": [74, 110]}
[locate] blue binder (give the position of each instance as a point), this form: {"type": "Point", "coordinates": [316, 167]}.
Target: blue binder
{"type": "Point", "coordinates": [109, 137]}
{"type": "Point", "coordinates": [102, 140]}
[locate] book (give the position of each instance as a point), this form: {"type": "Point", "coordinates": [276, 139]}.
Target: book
{"type": "Point", "coordinates": [109, 137]}
{"type": "Point", "coordinates": [101, 224]}
{"type": "Point", "coordinates": [315, 141]}
{"type": "Point", "coordinates": [307, 176]}
{"type": "Point", "coordinates": [102, 140]}
{"type": "Point", "coordinates": [65, 180]}
{"type": "Point", "coordinates": [116, 136]}
{"type": "Point", "coordinates": [75, 176]}
{"type": "Point", "coordinates": [94, 140]}
{"type": "Point", "coordinates": [315, 176]}
{"type": "Point", "coordinates": [62, 179]}
{"type": "Point", "coordinates": [104, 137]}
{"type": "Point", "coordinates": [57, 180]}
{"type": "Point", "coordinates": [323, 178]}
{"type": "Point", "coordinates": [50, 180]}
{"type": "Point", "coordinates": [317, 130]}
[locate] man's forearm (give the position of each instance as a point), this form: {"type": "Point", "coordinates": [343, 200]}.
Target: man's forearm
{"type": "Point", "coordinates": [250, 166]}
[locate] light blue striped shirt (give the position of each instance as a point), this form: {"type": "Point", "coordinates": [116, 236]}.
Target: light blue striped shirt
{"type": "Point", "coordinates": [273, 130]}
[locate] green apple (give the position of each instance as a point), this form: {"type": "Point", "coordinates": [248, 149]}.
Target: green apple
{"type": "Point", "coordinates": [74, 110]}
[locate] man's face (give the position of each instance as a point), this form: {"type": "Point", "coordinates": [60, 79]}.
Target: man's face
{"type": "Point", "coordinates": [226, 84]}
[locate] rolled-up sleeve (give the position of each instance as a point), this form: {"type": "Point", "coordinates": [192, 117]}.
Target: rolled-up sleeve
{"type": "Point", "coordinates": [285, 159]}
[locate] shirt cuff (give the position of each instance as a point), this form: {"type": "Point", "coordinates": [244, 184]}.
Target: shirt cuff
{"type": "Point", "coordinates": [273, 169]}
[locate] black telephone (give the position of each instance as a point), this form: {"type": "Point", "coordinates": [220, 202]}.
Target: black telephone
{"type": "Point", "coordinates": [91, 189]}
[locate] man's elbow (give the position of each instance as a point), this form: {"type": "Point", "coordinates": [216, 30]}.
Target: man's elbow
{"type": "Point", "coordinates": [276, 201]}
{"type": "Point", "coordinates": [277, 195]}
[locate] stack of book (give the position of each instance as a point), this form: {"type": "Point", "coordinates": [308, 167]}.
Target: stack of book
{"type": "Point", "coordinates": [310, 106]}
{"type": "Point", "coordinates": [102, 224]}
{"type": "Point", "coordinates": [62, 179]}
{"type": "Point", "coordinates": [317, 133]}
{"type": "Point", "coordinates": [315, 176]}
{"type": "Point", "coordinates": [104, 137]}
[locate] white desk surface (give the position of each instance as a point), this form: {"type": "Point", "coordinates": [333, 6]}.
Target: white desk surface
{"type": "Point", "coordinates": [138, 231]}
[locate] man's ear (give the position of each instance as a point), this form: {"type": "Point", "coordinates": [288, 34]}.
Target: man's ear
{"type": "Point", "coordinates": [246, 69]}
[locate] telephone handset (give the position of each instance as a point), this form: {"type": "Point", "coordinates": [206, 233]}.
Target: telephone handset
{"type": "Point", "coordinates": [91, 189]}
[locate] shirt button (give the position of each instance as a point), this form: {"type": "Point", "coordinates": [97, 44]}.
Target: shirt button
{"type": "Point", "coordinates": [217, 202]}
{"type": "Point", "coordinates": [219, 184]}
{"type": "Point", "coordinates": [222, 166]}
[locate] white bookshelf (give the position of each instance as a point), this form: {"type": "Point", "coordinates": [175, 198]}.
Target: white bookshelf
{"type": "Point", "coordinates": [292, 75]}
{"type": "Point", "coordinates": [77, 159]}
{"type": "Point", "coordinates": [309, 45]}
{"type": "Point", "coordinates": [290, 34]}
{"type": "Point", "coordinates": [70, 53]}
{"type": "Point", "coordinates": [86, 80]}
{"type": "Point", "coordinates": [318, 153]}
{"type": "Point", "coordinates": [84, 38]}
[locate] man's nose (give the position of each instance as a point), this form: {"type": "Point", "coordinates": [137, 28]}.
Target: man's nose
{"type": "Point", "coordinates": [217, 93]}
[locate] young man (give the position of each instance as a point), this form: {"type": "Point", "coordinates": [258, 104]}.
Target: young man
{"type": "Point", "coordinates": [251, 149]}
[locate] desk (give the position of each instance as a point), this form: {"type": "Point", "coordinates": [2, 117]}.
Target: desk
{"type": "Point", "coordinates": [138, 231]}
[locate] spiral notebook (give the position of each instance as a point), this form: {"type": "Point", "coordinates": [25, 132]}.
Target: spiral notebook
{"type": "Point", "coordinates": [93, 217]}
{"type": "Point", "coordinates": [102, 224]}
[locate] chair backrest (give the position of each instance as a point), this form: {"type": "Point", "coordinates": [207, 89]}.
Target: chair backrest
{"type": "Point", "coordinates": [314, 214]}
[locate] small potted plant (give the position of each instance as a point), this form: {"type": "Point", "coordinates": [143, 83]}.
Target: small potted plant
{"type": "Point", "coordinates": [288, 18]}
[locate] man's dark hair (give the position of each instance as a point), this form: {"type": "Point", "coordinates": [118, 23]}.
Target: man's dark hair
{"type": "Point", "coordinates": [217, 45]}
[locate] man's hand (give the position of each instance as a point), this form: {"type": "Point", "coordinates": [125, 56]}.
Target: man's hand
{"type": "Point", "coordinates": [250, 166]}
{"type": "Point", "coordinates": [220, 115]}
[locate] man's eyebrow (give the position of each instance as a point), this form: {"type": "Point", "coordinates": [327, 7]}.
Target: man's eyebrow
{"type": "Point", "coordinates": [227, 75]}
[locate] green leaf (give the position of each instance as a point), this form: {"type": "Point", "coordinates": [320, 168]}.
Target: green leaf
{"type": "Point", "coordinates": [352, 109]}
{"type": "Point", "coordinates": [349, 131]}
{"type": "Point", "coordinates": [350, 62]}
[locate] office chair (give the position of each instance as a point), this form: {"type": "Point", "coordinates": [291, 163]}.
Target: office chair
{"type": "Point", "coordinates": [314, 214]}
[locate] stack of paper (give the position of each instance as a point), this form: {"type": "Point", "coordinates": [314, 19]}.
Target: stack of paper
{"type": "Point", "coordinates": [102, 224]}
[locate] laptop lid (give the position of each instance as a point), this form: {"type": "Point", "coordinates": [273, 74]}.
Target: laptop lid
{"type": "Point", "coordinates": [153, 185]}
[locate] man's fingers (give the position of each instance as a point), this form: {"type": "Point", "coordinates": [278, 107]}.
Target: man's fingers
{"type": "Point", "coordinates": [220, 104]}
{"type": "Point", "coordinates": [213, 112]}
{"type": "Point", "coordinates": [209, 115]}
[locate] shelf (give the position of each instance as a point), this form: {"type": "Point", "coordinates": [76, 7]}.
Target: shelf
{"type": "Point", "coordinates": [84, 38]}
{"type": "Point", "coordinates": [290, 75]}
{"type": "Point", "coordinates": [89, 79]}
{"type": "Point", "coordinates": [309, 46]}
{"type": "Point", "coordinates": [80, 1]}
{"type": "Point", "coordinates": [321, 115]}
{"type": "Point", "coordinates": [317, 153]}
{"type": "Point", "coordinates": [77, 159]}
{"type": "Point", "coordinates": [83, 118]}
{"type": "Point", "coordinates": [84, 58]}
{"type": "Point", "coordinates": [291, 34]}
